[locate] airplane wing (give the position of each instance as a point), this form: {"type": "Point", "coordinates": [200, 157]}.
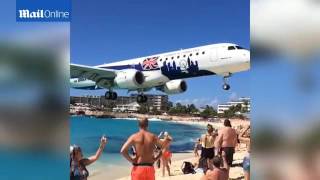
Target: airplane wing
{"type": "Point", "coordinates": [93, 73]}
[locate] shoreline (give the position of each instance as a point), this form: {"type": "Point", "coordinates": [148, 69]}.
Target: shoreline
{"type": "Point", "coordinates": [188, 120]}
{"type": "Point", "coordinates": [123, 172]}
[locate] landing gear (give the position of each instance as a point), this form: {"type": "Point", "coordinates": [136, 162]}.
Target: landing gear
{"type": "Point", "coordinates": [141, 98]}
{"type": "Point", "coordinates": [226, 86]}
{"type": "Point", "coordinates": [111, 95]}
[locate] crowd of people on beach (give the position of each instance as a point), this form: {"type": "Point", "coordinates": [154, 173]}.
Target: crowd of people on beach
{"type": "Point", "coordinates": [143, 149]}
{"type": "Point", "coordinates": [217, 150]}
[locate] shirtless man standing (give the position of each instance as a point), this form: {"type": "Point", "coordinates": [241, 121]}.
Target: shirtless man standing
{"type": "Point", "coordinates": [227, 141]}
{"type": "Point", "coordinates": [207, 143]}
{"type": "Point", "coordinates": [145, 144]}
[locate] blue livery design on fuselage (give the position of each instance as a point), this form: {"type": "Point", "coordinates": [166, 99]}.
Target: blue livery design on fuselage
{"type": "Point", "coordinates": [190, 68]}
{"type": "Point", "coordinates": [186, 69]}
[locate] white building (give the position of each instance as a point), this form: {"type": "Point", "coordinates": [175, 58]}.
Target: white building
{"type": "Point", "coordinates": [132, 107]}
{"type": "Point", "coordinates": [243, 101]}
{"type": "Point", "coordinates": [223, 107]}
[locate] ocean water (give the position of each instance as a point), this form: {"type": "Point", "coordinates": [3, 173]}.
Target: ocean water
{"type": "Point", "coordinates": [86, 132]}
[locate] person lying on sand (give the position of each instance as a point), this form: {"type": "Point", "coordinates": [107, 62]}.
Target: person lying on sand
{"type": "Point", "coordinates": [218, 172]}
{"type": "Point", "coordinates": [166, 154]}
{"type": "Point", "coordinates": [78, 163]}
{"type": "Point", "coordinates": [145, 144]}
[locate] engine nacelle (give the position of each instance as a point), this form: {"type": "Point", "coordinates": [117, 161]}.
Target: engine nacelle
{"type": "Point", "coordinates": [129, 79]}
{"type": "Point", "coordinates": [174, 87]}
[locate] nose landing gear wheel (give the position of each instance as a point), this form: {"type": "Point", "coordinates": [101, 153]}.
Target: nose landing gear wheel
{"type": "Point", "coordinates": [226, 87]}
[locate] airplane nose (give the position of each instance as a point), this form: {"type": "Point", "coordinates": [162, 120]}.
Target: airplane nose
{"type": "Point", "coordinates": [246, 56]}
{"type": "Point", "coordinates": [245, 59]}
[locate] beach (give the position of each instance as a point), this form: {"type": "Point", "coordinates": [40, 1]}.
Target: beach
{"type": "Point", "coordinates": [177, 160]}
{"type": "Point", "coordinates": [86, 132]}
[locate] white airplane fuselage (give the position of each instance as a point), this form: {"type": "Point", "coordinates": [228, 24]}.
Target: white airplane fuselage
{"type": "Point", "coordinates": [216, 59]}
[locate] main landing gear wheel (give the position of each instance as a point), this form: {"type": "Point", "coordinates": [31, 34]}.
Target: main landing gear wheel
{"type": "Point", "coordinates": [141, 98]}
{"type": "Point", "coordinates": [111, 95]}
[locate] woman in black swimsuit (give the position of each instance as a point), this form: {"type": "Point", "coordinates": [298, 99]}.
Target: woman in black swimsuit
{"type": "Point", "coordinates": [78, 163]}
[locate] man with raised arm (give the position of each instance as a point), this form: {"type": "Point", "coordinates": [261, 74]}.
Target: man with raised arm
{"type": "Point", "coordinates": [145, 144]}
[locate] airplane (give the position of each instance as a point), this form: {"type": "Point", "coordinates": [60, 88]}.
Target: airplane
{"type": "Point", "coordinates": [164, 72]}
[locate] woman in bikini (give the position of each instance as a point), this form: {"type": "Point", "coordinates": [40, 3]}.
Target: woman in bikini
{"type": "Point", "coordinates": [166, 154]}
{"type": "Point", "coordinates": [78, 163]}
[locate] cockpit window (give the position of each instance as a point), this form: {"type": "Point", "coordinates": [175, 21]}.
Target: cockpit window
{"type": "Point", "coordinates": [231, 48]}
{"type": "Point", "coordinates": [239, 47]}
{"type": "Point", "coordinates": [81, 79]}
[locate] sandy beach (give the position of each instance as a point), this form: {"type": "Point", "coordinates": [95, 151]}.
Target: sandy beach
{"type": "Point", "coordinates": [218, 124]}
{"type": "Point", "coordinates": [101, 170]}
{"type": "Point", "coordinates": [235, 172]}
{"type": "Point", "coordinates": [177, 160]}
{"type": "Point", "coordinates": [97, 171]}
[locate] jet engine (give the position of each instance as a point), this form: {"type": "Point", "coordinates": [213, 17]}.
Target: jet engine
{"type": "Point", "coordinates": [174, 87]}
{"type": "Point", "coordinates": [129, 79]}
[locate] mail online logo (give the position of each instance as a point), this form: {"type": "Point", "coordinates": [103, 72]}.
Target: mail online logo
{"type": "Point", "coordinates": [46, 11]}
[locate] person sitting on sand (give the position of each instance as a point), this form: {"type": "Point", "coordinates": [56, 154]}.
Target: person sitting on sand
{"type": "Point", "coordinates": [227, 141]}
{"type": "Point", "coordinates": [218, 172]}
{"type": "Point", "coordinates": [207, 143]}
{"type": "Point", "coordinates": [166, 154]}
{"type": "Point", "coordinates": [145, 143]}
{"type": "Point", "coordinates": [78, 163]}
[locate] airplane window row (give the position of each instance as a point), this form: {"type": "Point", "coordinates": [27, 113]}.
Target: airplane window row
{"type": "Point", "coordinates": [203, 52]}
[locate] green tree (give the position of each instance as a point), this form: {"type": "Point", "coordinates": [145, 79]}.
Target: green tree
{"type": "Point", "coordinates": [209, 111]}
{"type": "Point", "coordinates": [191, 109]}
{"type": "Point", "coordinates": [238, 108]}
{"type": "Point", "coordinates": [170, 105]}
{"type": "Point", "coordinates": [245, 106]}
{"type": "Point", "coordinates": [231, 112]}
{"type": "Point", "coordinates": [143, 109]}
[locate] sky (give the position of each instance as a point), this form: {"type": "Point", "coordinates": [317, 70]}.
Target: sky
{"type": "Point", "coordinates": [108, 31]}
